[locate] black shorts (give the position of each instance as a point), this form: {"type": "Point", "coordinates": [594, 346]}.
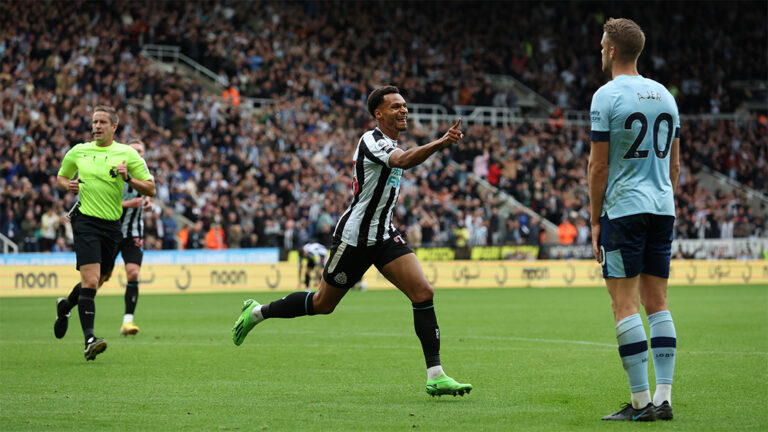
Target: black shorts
{"type": "Point", "coordinates": [347, 264]}
{"type": "Point", "coordinates": [132, 249]}
{"type": "Point", "coordinates": [96, 241]}
{"type": "Point", "coordinates": [311, 262]}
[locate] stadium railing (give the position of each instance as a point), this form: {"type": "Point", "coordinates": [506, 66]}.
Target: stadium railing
{"type": "Point", "coordinates": [172, 54]}
{"type": "Point", "coordinates": [8, 245]}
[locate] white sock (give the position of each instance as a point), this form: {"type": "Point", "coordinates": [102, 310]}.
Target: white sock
{"type": "Point", "coordinates": [256, 314]}
{"type": "Point", "coordinates": [434, 372]}
{"type": "Point", "coordinates": [641, 399]}
{"type": "Point", "coordinates": [663, 393]}
{"type": "Point", "coordinates": [127, 318]}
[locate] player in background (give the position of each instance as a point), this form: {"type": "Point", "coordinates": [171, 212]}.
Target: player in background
{"type": "Point", "coordinates": [315, 254]}
{"type": "Point", "coordinates": [103, 167]}
{"type": "Point", "coordinates": [365, 236]}
{"type": "Point", "coordinates": [132, 245]}
{"type": "Point", "coordinates": [633, 171]}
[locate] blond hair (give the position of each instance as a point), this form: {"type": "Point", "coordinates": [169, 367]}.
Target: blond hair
{"type": "Point", "coordinates": [626, 36]}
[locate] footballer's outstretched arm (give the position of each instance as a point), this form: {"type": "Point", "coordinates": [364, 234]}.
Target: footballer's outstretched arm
{"type": "Point", "coordinates": [415, 156]}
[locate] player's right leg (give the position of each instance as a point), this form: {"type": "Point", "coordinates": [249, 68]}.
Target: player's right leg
{"type": "Point", "coordinates": [653, 293]}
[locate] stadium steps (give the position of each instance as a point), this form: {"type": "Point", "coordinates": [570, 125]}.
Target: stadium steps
{"type": "Point", "coordinates": [535, 104]}
{"type": "Point", "coordinates": [511, 204]}
{"type": "Point", "coordinates": [713, 180]}
{"type": "Point", "coordinates": [170, 59]}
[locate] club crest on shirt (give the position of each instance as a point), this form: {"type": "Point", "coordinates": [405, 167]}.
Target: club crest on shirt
{"type": "Point", "coordinates": [113, 172]}
{"type": "Point", "coordinates": [384, 145]}
{"type": "Point", "coordinates": [340, 278]}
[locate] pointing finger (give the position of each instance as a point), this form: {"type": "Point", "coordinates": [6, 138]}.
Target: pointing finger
{"type": "Point", "coordinates": [458, 123]}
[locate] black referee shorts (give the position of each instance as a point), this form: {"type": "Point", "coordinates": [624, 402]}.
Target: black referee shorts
{"type": "Point", "coordinates": [96, 241]}
{"type": "Point", "coordinates": [347, 264]}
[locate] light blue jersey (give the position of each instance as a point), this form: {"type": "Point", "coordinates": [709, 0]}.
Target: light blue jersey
{"type": "Point", "coordinates": [639, 118]}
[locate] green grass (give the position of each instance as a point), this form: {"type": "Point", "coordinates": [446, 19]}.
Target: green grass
{"type": "Point", "coordinates": [540, 359]}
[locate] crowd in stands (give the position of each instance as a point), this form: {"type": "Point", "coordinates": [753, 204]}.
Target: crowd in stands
{"type": "Point", "coordinates": [281, 175]}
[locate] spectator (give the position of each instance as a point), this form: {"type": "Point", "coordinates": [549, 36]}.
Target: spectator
{"type": "Point", "coordinates": [214, 238]}
{"type": "Point", "coordinates": [566, 231]}
{"type": "Point", "coordinates": [196, 237]}
{"type": "Point", "coordinates": [48, 229]}
{"type": "Point", "coordinates": [170, 226]}
{"type": "Point", "coordinates": [29, 231]}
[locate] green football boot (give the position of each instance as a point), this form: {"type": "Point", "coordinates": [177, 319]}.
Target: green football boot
{"type": "Point", "coordinates": [245, 322]}
{"type": "Point", "coordinates": [445, 385]}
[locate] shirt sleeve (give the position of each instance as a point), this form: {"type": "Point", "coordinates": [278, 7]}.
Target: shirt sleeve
{"type": "Point", "coordinates": [379, 151]}
{"type": "Point", "coordinates": [68, 165]}
{"type": "Point", "coordinates": [600, 113]}
{"type": "Point", "coordinates": [137, 167]}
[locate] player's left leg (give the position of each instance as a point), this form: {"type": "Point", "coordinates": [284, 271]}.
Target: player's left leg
{"type": "Point", "coordinates": [406, 274]}
{"type": "Point", "coordinates": [622, 243]}
{"type": "Point", "coordinates": [349, 265]}
{"type": "Point", "coordinates": [296, 304]}
{"type": "Point", "coordinates": [633, 345]}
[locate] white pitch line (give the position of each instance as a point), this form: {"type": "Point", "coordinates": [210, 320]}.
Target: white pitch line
{"type": "Point", "coordinates": [396, 335]}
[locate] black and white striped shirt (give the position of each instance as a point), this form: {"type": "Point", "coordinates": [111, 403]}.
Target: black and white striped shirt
{"type": "Point", "coordinates": [132, 221]}
{"type": "Point", "coordinates": [368, 220]}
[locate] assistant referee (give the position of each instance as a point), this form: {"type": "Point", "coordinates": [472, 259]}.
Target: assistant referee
{"type": "Point", "coordinates": [98, 171]}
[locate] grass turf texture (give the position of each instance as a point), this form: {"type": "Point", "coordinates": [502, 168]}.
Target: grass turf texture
{"type": "Point", "coordinates": [540, 359]}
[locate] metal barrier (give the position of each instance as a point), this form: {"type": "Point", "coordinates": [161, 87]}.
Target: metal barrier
{"type": "Point", "coordinates": [8, 245]}
{"type": "Point", "coordinates": [173, 54]}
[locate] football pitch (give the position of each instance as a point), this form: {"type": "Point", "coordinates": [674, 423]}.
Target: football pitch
{"type": "Point", "coordinates": [539, 359]}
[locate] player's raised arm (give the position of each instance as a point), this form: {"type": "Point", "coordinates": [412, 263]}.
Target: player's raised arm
{"type": "Point", "coordinates": [415, 156]}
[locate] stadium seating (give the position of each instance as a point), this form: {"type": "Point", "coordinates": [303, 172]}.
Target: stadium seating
{"type": "Point", "coordinates": [282, 174]}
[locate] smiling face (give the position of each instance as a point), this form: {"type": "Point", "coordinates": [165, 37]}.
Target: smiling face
{"type": "Point", "coordinates": [392, 114]}
{"type": "Point", "coordinates": [102, 127]}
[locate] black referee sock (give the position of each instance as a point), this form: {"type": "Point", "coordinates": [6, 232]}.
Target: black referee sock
{"type": "Point", "coordinates": [306, 280]}
{"type": "Point", "coordinates": [425, 322]}
{"type": "Point", "coordinates": [291, 306]}
{"type": "Point", "coordinates": [86, 306]}
{"type": "Point", "coordinates": [131, 296]}
{"type": "Point", "coordinates": [73, 297]}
